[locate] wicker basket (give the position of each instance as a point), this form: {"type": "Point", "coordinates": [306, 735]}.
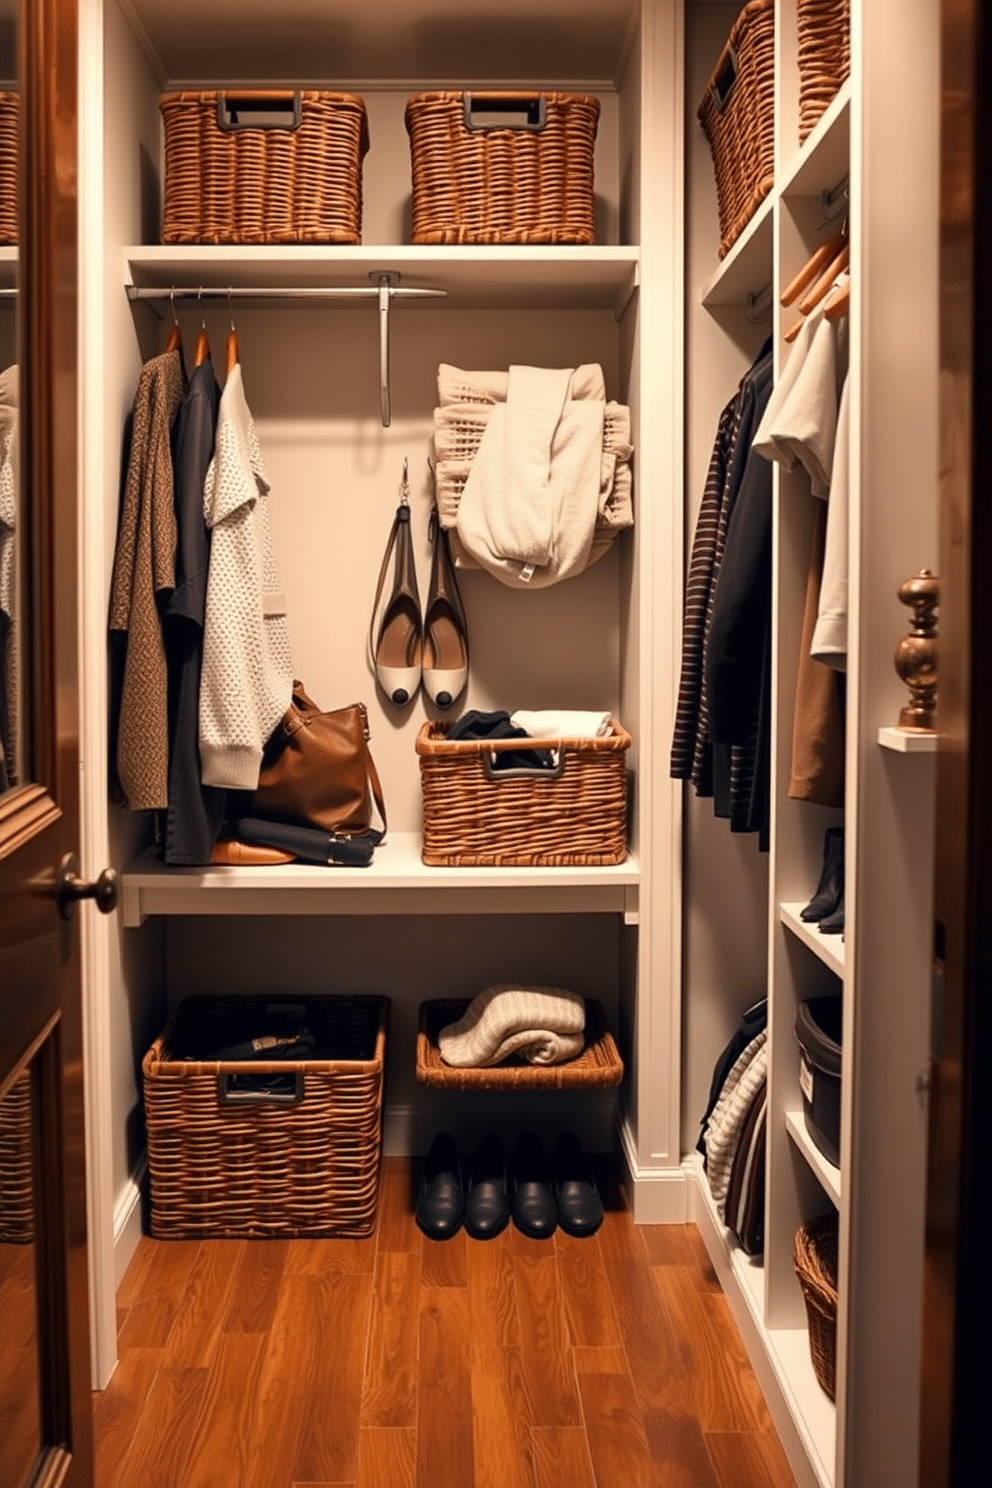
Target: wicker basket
{"type": "Point", "coordinates": [574, 814]}
{"type": "Point", "coordinates": [824, 28]}
{"type": "Point", "coordinates": [815, 1257]}
{"type": "Point", "coordinates": [16, 1167]}
{"type": "Point", "coordinates": [9, 114]}
{"type": "Point", "coordinates": [230, 1161]}
{"type": "Point", "coordinates": [598, 1065]}
{"type": "Point", "coordinates": [263, 167]}
{"type": "Point", "coordinates": [502, 167]}
{"type": "Point", "coordinates": [737, 113]}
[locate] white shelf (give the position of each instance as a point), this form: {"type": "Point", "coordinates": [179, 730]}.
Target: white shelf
{"type": "Point", "coordinates": [829, 948]}
{"type": "Point", "coordinates": [822, 162]}
{"type": "Point", "coordinates": [907, 741]}
{"type": "Point", "coordinates": [786, 1350]}
{"type": "Point", "coordinates": [396, 882]}
{"type": "Point", "coordinates": [747, 268]}
{"type": "Point", "coordinates": [827, 1175]}
{"type": "Point", "coordinates": [473, 276]}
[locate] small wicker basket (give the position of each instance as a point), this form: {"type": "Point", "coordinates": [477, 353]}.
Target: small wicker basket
{"type": "Point", "coordinates": [737, 113]}
{"type": "Point", "coordinates": [815, 1257]}
{"type": "Point", "coordinates": [597, 1066]}
{"type": "Point", "coordinates": [9, 115]}
{"type": "Point", "coordinates": [824, 29]}
{"type": "Point", "coordinates": [574, 814]}
{"type": "Point", "coordinates": [230, 1159]}
{"type": "Point", "coordinates": [263, 167]}
{"type": "Point", "coordinates": [502, 167]}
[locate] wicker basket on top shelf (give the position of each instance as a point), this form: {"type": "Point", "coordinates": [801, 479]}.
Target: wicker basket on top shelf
{"type": "Point", "coordinates": [9, 114]}
{"type": "Point", "coordinates": [263, 166]}
{"type": "Point", "coordinates": [498, 167]}
{"type": "Point", "coordinates": [598, 1065]}
{"type": "Point", "coordinates": [824, 28]}
{"type": "Point", "coordinates": [815, 1257]}
{"type": "Point", "coordinates": [737, 113]}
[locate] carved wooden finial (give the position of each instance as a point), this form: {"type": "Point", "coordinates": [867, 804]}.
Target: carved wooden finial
{"type": "Point", "coordinates": [916, 653]}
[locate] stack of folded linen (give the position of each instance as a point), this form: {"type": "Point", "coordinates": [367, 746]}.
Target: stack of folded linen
{"type": "Point", "coordinates": [544, 1025]}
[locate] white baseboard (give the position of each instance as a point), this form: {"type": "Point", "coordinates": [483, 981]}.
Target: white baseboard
{"type": "Point", "coordinates": [127, 1222]}
{"type": "Point", "coordinates": [655, 1195]}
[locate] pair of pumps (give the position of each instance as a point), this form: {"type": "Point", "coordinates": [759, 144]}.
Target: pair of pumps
{"type": "Point", "coordinates": [410, 650]}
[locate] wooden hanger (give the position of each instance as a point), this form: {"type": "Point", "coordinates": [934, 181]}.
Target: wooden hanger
{"type": "Point", "coordinates": [233, 354]}
{"type": "Point", "coordinates": [814, 266]}
{"type": "Point", "coordinates": [839, 303]}
{"type": "Point", "coordinates": [823, 285]}
{"type": "Point", "coordinates": [175, 341]}
{"type": "Point", "coordinates": [202, 350]}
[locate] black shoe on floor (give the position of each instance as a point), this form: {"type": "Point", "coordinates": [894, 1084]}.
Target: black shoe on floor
{"type": "Point", "coordinates": [440, 1195]}
{"type": "Point", "coordinates": [580, 1208]}
{"type": "Point", "coordinates": [535, 1212]}
{"type": "Point", "coordinates": [487, 1206]}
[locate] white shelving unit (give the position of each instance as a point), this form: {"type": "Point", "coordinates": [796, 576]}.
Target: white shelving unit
{"type": "Point", "coordinates": [870, 159]}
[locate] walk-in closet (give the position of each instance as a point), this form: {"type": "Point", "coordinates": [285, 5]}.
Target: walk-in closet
{"type": "Point", "coordinates": [340, 348]}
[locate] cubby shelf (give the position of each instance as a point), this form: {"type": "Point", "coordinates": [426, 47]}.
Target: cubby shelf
{"type": "Point", "coordinates": [396, 882]}
{"type": "Point", "coordinates": [828, 1176]}
{"type": "Point", "coordinates": [829, 948]}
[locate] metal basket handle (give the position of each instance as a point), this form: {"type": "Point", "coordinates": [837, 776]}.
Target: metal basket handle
{"type": "Point", "coordinates": [554, 771]}
{"type": "Point", "coordinates": [505, 111]}
{"type": "Point", "coordinates": [230, 1095]}
{"type": "Point", "coordinates": [265, 108]}
{"type": "Point", "coordinates": [724, 79]}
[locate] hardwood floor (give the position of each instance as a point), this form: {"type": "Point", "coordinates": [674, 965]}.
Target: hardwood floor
{"type": "Point", "coordinates": [400, 1362]}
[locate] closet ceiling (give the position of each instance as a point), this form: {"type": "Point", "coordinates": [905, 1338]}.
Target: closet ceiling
{"type": "Point", "coordinates": [392, 40]}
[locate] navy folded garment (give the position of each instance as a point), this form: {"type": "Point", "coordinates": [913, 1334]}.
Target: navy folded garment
{"type": "Point", "coordinates": [496, 725]}
{"type": "Point", "coordinates": [309, 844]}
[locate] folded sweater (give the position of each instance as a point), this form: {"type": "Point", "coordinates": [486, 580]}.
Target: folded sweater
{"type": "Point", "coordinates": [543, 1024]}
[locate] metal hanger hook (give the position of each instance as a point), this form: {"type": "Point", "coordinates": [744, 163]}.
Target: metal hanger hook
{"type": "Point", "coordinates": [405, 483]}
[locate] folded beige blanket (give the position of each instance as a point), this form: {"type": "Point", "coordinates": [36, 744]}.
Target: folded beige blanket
{"type": "Point", "coordinates": [543, 1024]}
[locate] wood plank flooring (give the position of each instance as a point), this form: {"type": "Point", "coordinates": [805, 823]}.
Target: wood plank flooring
{"type": "Point", "coordinates": [400, 1362]}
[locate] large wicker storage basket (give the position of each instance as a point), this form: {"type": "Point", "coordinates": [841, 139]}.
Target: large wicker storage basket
{"type": "Point", "coordinates": [9, 113]}
{"type": "Point", "coordinates": [824, 28]}
{"type": "Point", "coordinates": [16, 1166]}
{"type": "Point", "coordinates": [815, 1258]}
{"type": "Point", "coordinates": [574, 814]}
{"type": "Point", "coordinates": [298, 1156]}
{"type": "Point", "coordinates": [263, 167]}
{"type": "Point", "coordinates": [737, 113]}
{"type": "Point", "coordinates": [502, 167]}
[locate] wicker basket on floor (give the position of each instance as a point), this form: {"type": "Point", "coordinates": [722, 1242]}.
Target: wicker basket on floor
{"type": "Point", "coordinates": [597, 1066]}
{"type": "Point", "coordinates": [815, 1258]}
{"type": "Point", "coordinates": [16, 1167]}
{"type": "Point", "coordinates": [574, 814]}
{"type": "Point", "coordinates": [9, 115]}
{"type": "Point", "coordinates": [502, 167]}
{"type": "Point", "coordinates": [737, 113]}
{"type": "Point", "coordinates": [231, 1158]}
{"type": "Point", "coordinates": [263, 166]}
{"type": "Point", "coordinates": [824, 28]}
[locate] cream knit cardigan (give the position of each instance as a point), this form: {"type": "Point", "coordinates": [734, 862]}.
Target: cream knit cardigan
{"type": "Point", "coordinates": [246, 682]}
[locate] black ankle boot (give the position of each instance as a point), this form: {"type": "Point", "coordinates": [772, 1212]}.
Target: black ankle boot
{"type": "Point", "coordinates": [833, 923]}
{"type": "Point", "coordinates": [830, 890]}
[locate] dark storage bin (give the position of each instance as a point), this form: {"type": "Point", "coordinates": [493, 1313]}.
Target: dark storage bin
{"type": "Point", "coordinates": [819, 1024]}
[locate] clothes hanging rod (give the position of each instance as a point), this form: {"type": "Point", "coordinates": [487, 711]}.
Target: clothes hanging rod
{"type": "Point", "coordinates": [757, 305]}
{"type": "Point", "coordinates": [836, 200]}
{"type": "Point", "coordinates": [384, 288]}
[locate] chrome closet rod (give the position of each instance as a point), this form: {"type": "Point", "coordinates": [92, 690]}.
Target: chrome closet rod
{"type": "Point", "coordinates": [384, 288]}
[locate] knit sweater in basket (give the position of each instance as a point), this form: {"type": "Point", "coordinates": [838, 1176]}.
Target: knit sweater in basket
{"type": "Point", "coordinates": [246, 683]}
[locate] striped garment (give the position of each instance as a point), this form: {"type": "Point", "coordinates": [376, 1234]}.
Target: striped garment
{"type": "Point", "coordinates": [730, 1113]}
{"type": "Point", "coordinates": [744, 1206]}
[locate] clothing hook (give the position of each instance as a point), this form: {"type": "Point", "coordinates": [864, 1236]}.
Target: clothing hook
{"type": "Point", "coordinates": [405, 483]}
{"type": "Point", "coordinates": [172, 302]}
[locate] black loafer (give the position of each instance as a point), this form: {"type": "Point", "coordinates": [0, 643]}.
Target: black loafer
{"type": "Point", "coordinates": [580, 1208]}
{"type": "Point", "coordinates": [440, 1195]}
{"type": "Point", "coordinates": [487, 1208]}
{"type": "Point", "coordinates": [535, 1212]}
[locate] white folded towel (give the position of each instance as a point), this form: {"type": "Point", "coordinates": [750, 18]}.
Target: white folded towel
{"type": "Point", "coordinates": [544, 1024]}
{"type": "Point", "coordinates": [531, 499]}
{"type": "Point", "coordinates": [563, 723]}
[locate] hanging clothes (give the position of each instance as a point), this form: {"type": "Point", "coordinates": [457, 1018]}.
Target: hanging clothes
{"type": "Point", "coordinates": [805, 427]}
{"type": "Point", "coordinates": [196, 811]}
{"type": "Point", "coordinates": [246, 680]}
{"type": "Point", "coordinates": [9, 652]}
{"type": "Point", "coordinates": [730, 769]}
{"type": "Point", "coordinates": [143, 576]}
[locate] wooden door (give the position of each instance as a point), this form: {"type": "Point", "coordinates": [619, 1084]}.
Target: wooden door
{"type": "Point", "coordinates": [45, 1434]}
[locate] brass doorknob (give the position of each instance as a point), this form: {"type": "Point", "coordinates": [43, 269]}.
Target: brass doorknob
{"type": "Point", "coordinates": [70, 888]}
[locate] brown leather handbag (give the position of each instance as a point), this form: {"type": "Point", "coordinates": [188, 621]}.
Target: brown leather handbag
{"type": "Point", "coordinates": [317, 770]}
